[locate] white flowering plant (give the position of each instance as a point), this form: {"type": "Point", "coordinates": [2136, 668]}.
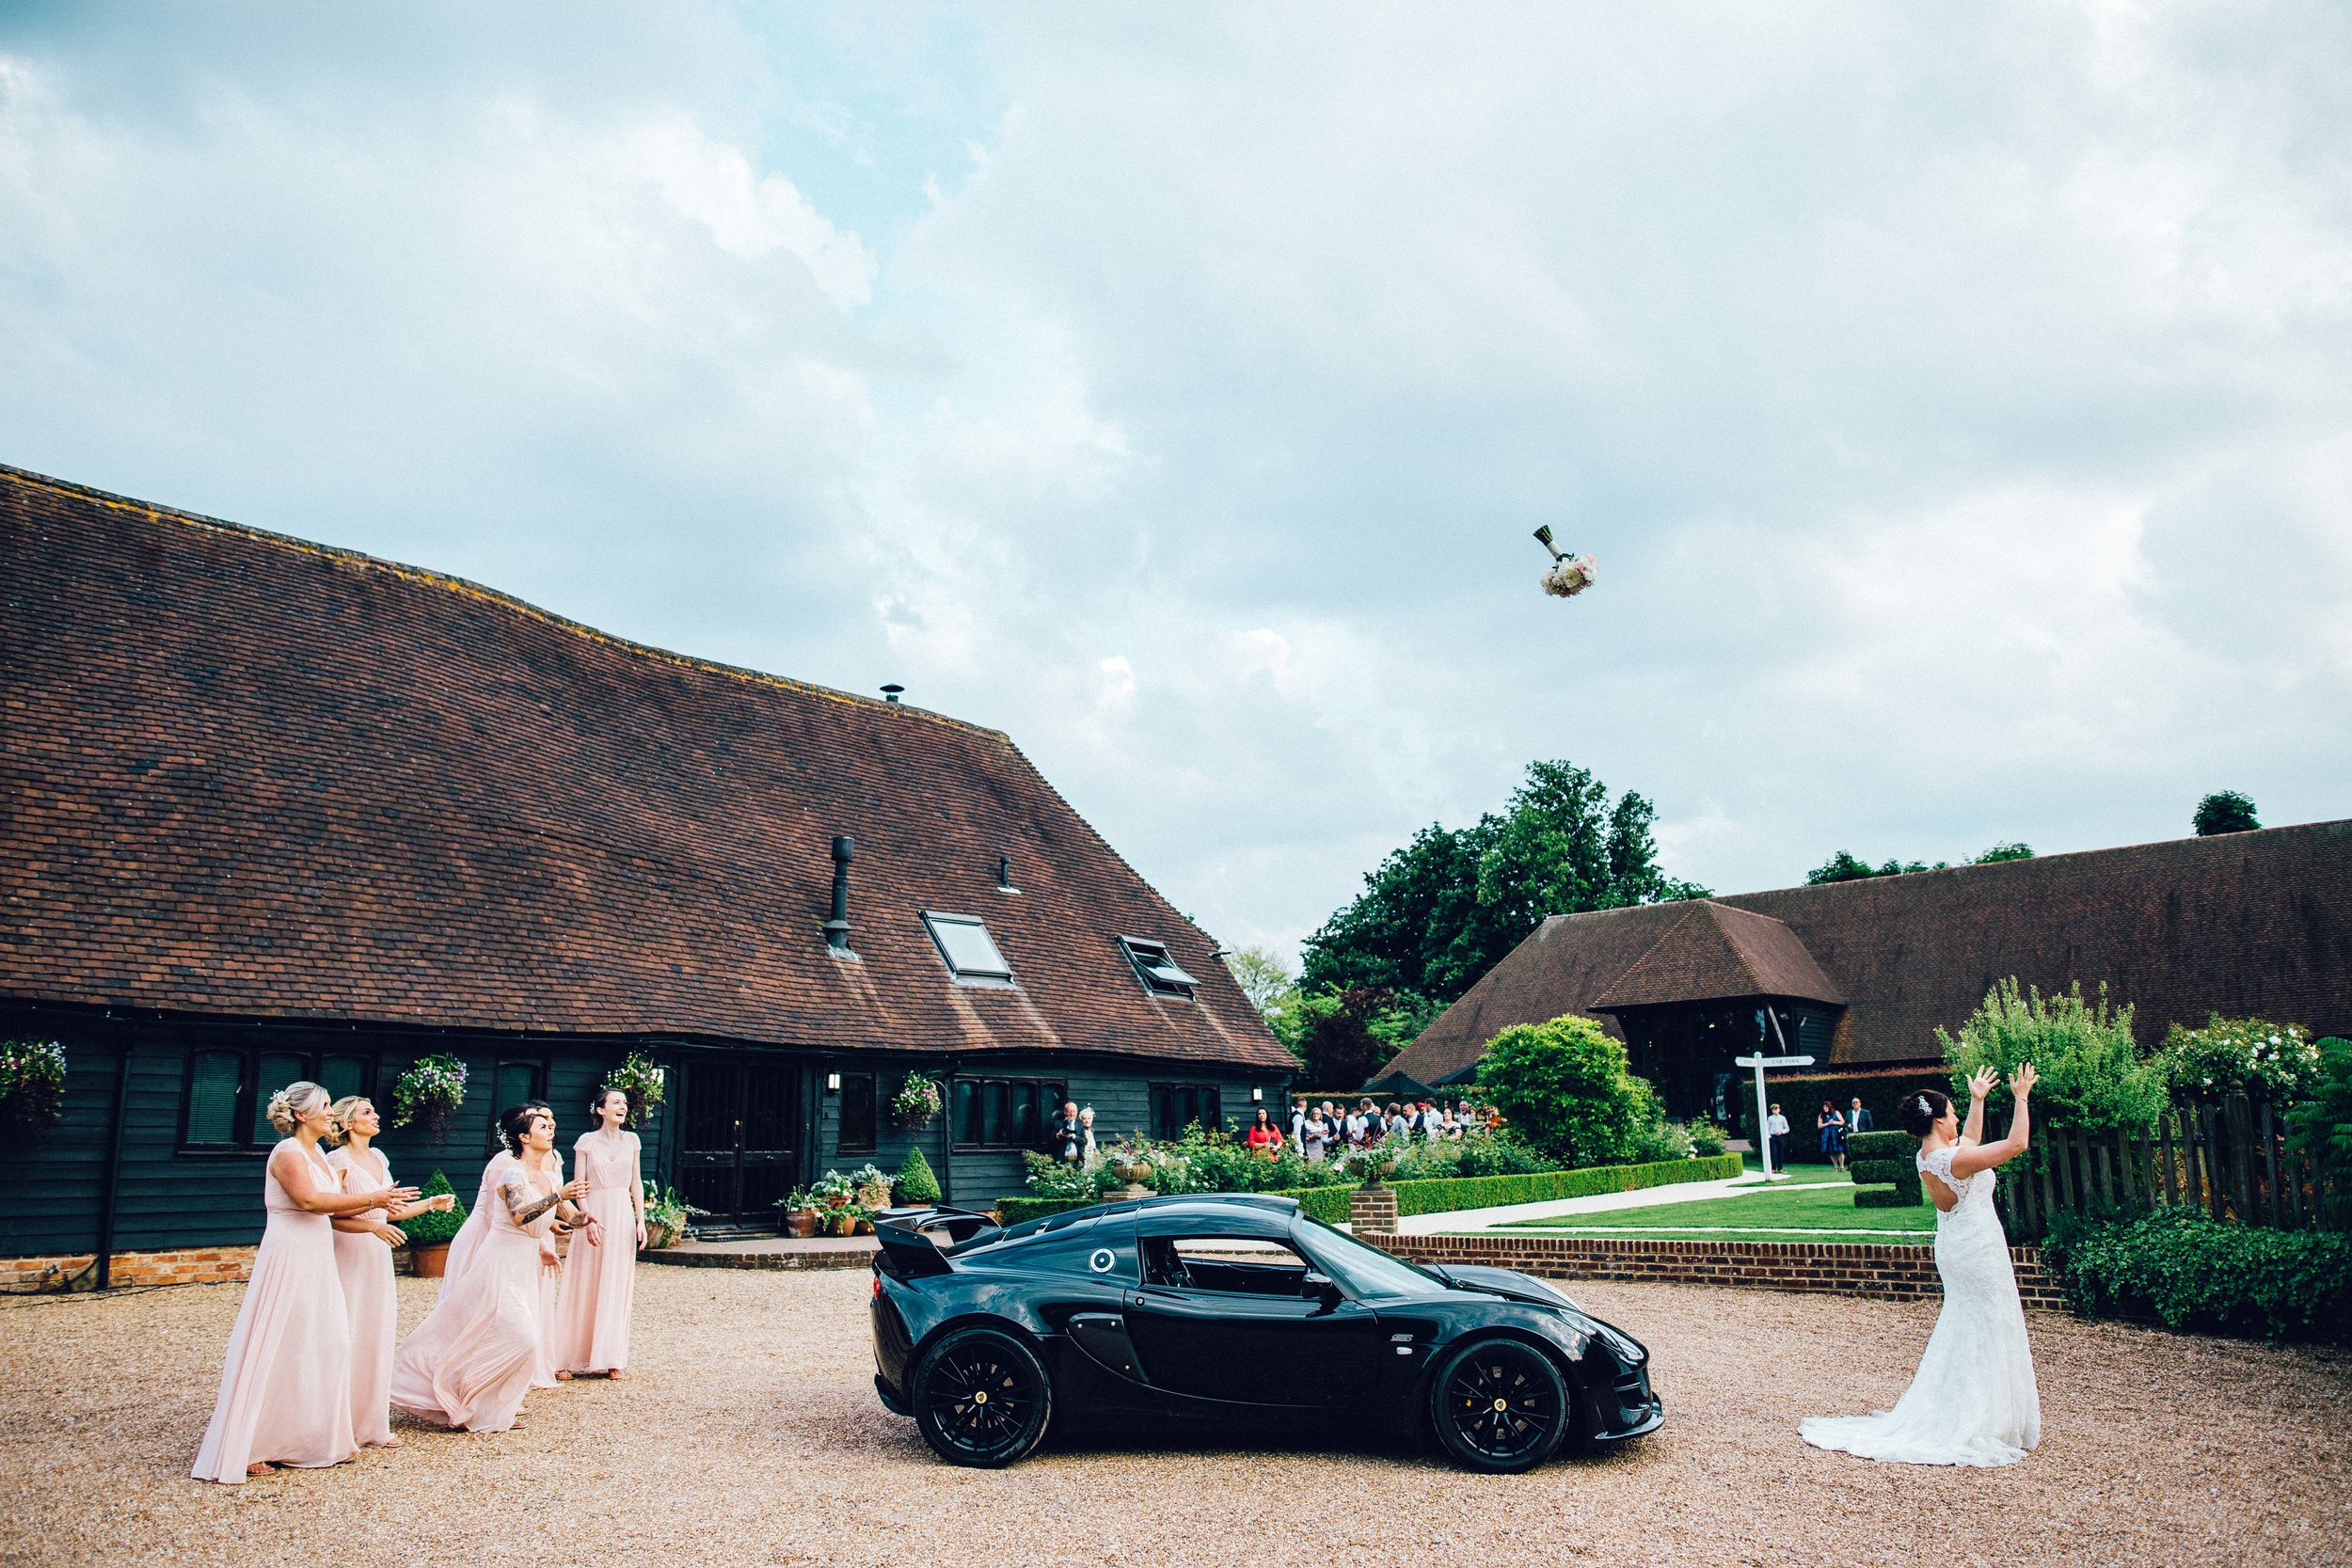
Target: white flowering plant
{"type": "Point", "coordinates": [917, 1102]}
{"type": "Point", "coordinates": [32, 1081]}
{"type": "Point", "coordinates": [643, 1082]}
{"type": "Point", "coordinates": [1571, 576]}
{"type": "Point", "coordinates": [429, 1091]}
{"type": "Point", "coordinates": [2252, 1056]}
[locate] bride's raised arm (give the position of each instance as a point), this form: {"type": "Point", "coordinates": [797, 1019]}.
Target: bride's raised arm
{"type": "Point", "coordinates": [1969, 1158]}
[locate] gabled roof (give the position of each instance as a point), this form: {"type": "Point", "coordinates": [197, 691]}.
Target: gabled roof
{"type": "Point", "coordinates": [2244, 924]}
{"type": "Point", "coordinates": [1715, 952]}
{"type": "Point", "coordinates": [249, 775]}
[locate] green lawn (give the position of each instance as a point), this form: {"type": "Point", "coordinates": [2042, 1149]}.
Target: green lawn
{"type": "Point", "coordinates": [1792, 1211]}
{"type": "Point", "coordinates": [1796, 1176]}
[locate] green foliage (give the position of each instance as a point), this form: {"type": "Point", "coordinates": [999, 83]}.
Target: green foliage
{"type": "Point", "coordinates": [1265, 979]}
{"type": "Point", "coordinates": [2000, 853]}
{"type": "Point", "coordinates": [2093, 1077]}
{"type": "Point", "coordinates": [1563, 1087]}
{"type": "Point", "coordinates": [1706, 1139]}
{"type": "Point", "coordinates": [1846, 866]}
{"type": "Point", "coordinates": [1057, 1178]}
{"type": "Point", "coordinates": [432, 1086]}
{"type": "Point", "coordinates": [915, 1183]}
{"type": "Point", "coordinates": [667, 1207]}
{"type": "Point", "coordinates": [1330, 1203]}
{"type": "Point", "coordinates": [2190, 1272]}
{"type": "Point", "coordinates": [2251, 1056]}
{"type": "Point", "coordinates": [643, 1080]}
{"type": "Point", "coordinates": [1345, 1037]}
{"type": "Point", "coordinates": [2321, 1126]}
{"type": "Point", "coordinates": [1901, 1195]}
{"type": "Point", "coordinates": [32, 1082]}
{"type": "Point", "coordinates": [1885, 1170]}
{"type": "Point", "coordinates": [1894, 1145]}
{"type": "Point", "coordinates": [2225, 811]}
{"type": "Point", "coordinates": [1877, 1173]}
{"type": "Point", "coordinates": [431, 1230]}
{"type": "Point", "coordinates": [1438, 914]}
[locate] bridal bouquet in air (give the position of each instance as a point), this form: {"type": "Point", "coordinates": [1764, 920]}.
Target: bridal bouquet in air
{"type": "Point", "coordinates": [1570, 574]}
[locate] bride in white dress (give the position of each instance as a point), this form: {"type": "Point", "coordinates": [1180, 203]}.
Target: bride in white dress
{"type": "Point", "coordinates": [1973, 1399]}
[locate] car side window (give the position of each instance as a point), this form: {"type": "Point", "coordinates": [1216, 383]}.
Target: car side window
{"type": "Point", "coordinates": [1104, 1252]}
{"type": "Point", "coordinates": [1234, 1265]}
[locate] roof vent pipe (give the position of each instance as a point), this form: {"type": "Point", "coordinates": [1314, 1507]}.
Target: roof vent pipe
{"type": "Point", "coordinates": [1003, 874]}
{"type": "Point", "coordinates": [837, 928]}
{"type": "Point", "coordinates": [890, 692]}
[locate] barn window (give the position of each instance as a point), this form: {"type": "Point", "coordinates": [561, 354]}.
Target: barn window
{"type": "Point", "coordinates": [1157, 968]}
{"type": "Point", "coordinates": [971, 954]}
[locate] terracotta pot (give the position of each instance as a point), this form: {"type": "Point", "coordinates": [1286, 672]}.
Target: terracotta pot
{"type": "Point", "coordinates": [659, 1236]}
{"type": "Point", "coordinates": [842, 1225]}
{"type": "Point", "coordinates": [800, 1221]}
{"type": "Point", "coordinates": [426, 1259]}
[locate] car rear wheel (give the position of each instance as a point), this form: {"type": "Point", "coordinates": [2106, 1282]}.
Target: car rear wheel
{"type": "Point", "coordinates": [981, 1397]}
{"type": "Point", "coordinates": [1500, 1407]}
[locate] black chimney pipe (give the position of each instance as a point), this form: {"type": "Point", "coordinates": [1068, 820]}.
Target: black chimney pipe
{"type": "Point", "coordinates": [837, 928]}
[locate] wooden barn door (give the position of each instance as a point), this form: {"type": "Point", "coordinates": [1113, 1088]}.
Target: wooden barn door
{"type": "Point", "coordinates": [738, 1152]}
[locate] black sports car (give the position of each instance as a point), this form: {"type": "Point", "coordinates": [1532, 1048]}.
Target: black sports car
{"type": "Point", "coordinates": [1228, 1308]}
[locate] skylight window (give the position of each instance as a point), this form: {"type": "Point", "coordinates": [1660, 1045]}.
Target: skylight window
{"type": "Point", "coordinates": [1156, 967]}
{"type": "Point", "coordinates": [971, 953]}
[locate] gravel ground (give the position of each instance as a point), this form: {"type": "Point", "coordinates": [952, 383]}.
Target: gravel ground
{"type": "Point", "coordinates": [750, 1435]}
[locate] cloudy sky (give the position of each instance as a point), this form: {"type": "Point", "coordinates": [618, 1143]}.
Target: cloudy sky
{"type": "Point", "coordinates": [1957, 398]}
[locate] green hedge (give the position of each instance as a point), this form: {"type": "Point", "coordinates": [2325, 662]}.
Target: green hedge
{"type": "Point", "coordinates": [1442, 1197]}
{"type": "Point", "coordinates": [2192, 1273]}
{"type": "Point", "coordinates": [1885, 1170]}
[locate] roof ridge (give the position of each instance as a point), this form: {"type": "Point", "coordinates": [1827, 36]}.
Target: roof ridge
{"type": "Point", "coordinates": [450, 582]}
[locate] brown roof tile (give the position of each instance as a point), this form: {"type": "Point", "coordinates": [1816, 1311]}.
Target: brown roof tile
{"type": "Point", "coordinates": [246, 774]}
{"type": "Point", "coordinates": [1716, 951]}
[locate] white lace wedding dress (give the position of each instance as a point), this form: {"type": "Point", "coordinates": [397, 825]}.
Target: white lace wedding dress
{"type": "Point", "coordinates": [1973, 1399]}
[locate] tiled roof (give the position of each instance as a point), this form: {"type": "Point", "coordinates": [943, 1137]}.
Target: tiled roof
{"type": "Point", "coordinates": [2244, 924]}
{"type": "Point", "coordinates": [1716, 951]}
{"type": "Point", "coordinates": [250, 775]}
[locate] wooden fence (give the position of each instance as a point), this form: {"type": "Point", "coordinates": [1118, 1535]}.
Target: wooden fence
{"type": "Point", "coordinates": [2230, 1159]}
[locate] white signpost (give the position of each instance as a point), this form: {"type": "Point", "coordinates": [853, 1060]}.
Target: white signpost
{"type": "Point", "coordinates": [1763, 1106]}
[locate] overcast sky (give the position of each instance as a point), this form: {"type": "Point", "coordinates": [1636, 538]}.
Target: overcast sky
{"type": "Point", "coordinates": [1957, 398]}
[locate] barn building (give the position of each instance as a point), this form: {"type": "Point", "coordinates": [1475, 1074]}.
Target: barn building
{"type": "Point", "coordinates": [276, 811]}
{"type": "Point", "coordinates": [1860, 975]}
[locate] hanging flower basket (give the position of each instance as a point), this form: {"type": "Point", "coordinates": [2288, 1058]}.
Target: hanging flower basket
{"type": "Point", "coordinates": [643, 1082]}
{"type": "Point", "coordinates": [32, 1082]}
{"type": "Point", "coordinates": [430, 1091]}
{"type": "Point", "coordinates": [918, 1104]}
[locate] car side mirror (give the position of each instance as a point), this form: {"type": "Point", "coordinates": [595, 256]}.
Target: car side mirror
{"type": "Point", "coordinates": [1319, 1287]}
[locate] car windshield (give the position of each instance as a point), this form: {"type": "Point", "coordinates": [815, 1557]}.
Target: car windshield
{"type": "Point", "coordinates": [1366, 1271]}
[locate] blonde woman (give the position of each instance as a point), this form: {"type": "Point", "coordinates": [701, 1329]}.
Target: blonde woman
{"type": "Point", "coordinates": [285, 1391]}
{"type": "Point", "coordinates": [601, 1271]}
{"type": "Point", "coordinates": [479, 1352]}
{"type": "Point", "coordinates": [363, 1258]}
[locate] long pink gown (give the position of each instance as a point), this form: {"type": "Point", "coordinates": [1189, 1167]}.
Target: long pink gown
{"type": "Point", "coordinates": [285, 1391]}
{"type": "Point", "coordinates": [591, 1321]}
{"type": "Point", "coordinates": [371, 1301]}
{"type": "Point", "coordinates": [543, 1375]}
{"type": "Point", "coordinates": [474, 1357]}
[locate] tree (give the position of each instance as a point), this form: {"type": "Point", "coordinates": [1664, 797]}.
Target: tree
{"type": "Point", "coordinates": [1846, 866]}
{"type": "Point", "coordinates": [1341, 1044]}
{"type": "Point", "coordinates": [1438, 914]}
{"type": "Point", "coordinates": [1562, 1087]}
{"type": "Point", "coordinates": [2000, 853]}
{"type": "Point", "coordinates": [2093, 1078]}
{"type": "Point", "coordinates": [2225, 811]}
{"type": "Point", "coordinates": [1264, 978]}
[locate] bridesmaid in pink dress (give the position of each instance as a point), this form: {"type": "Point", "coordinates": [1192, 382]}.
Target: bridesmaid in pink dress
{"type": "Point", "coordinates": [474, 1357]}
{"type": "Point", "coordinates": [600, 1272]}
{"type": "Point", "coordinates": [285, 1392]}
{"type": "Point", "coordinates": [363, 1256]}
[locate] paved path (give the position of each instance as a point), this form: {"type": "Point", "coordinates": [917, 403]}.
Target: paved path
{"type": "Point", "coordinates": [1647, 1198]}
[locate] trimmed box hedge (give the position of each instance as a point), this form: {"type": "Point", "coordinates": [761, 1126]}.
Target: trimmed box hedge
{"type": "Point", "coordinates": [1449, 1195]}
{"type": "Point", "coordinates": [1885, 1170]}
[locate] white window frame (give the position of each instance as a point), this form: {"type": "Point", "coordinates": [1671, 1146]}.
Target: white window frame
{"type": "Point", "coordinates": [999, 977]}
{"type": "Point", "coordinates": [1180, 985]}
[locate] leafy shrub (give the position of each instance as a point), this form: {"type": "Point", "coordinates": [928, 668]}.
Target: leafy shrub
{"type": "Point", "coordinates": [2251, 1056]}
{"type": "Point", "coordinates": [2192, 1273]}
{"type": "Point", "coordinates": [1076, 1185]}
{"type": "Point", "coordinates": [2093, 1077]}
{"type": "Point", "coordinates": [916, 1182]}
{"type": "Point", "coordinates": [1707, 1138]}
{"type": "Point", "coordinates": [2225, 811]}
{"type": "Point", "coordinates": [1563, 1087]}
{"type": "Point", "coordinates": [431, 1230]}
{"type": "Point", "coordinates": [429, 1090]}
{"type": "Point", "coordinates": [2322, 1127]}
{"type": "Point", "coordinates": [1885, 1170]}
{"type": "Point", "coordinates": [32, 1082]}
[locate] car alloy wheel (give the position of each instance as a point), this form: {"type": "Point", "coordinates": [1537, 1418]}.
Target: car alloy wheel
{"type": "Point", "coordinates": [1499, 1405]}
{"type": "Point", "coordinates": [981, 1397]}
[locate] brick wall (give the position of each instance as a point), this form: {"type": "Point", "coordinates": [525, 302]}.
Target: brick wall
{"type": "Point", "coordinates": [1896, 1273]}
{"type": "Point", "coordinates": [200, 1265]}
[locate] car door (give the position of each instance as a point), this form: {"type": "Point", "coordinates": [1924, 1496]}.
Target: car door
{"type": "Point", "coordinates": [1251, 1346]}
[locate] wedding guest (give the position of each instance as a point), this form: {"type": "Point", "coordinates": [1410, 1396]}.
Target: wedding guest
{"type": "Point", "coordinates": [1066, 1141]}
{"type": "Point", "coordinates": [285, 1387]}
{"type": "Point", "coordinates": [1299, 1122]}
{"type": "Point", "coordinates": [1776, 1129]}
{"type": "Point", "coordinates": [1833, 1130]}
{"type": "Point", "coordinates": [539, 1157]}
{"type": "Point", "coordinates": [473, 1359]}
{"type": "Point", "coordinates": [1858, 1119]}
{"type": "Point", "coordinates": [364, 1259]}
{"type": "Point", "coordinates": [1314, 1138]}
{"type": "Point", "coordinates": [1264, 1137]}
{"type": "Point", "coordinates": [590, 1332]}
{"type": "Point", "coordinates": [1089, 1155]}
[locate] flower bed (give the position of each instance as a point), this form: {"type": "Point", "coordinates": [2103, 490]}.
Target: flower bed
{"type": "Point", "coordinates": [1330, 1204]}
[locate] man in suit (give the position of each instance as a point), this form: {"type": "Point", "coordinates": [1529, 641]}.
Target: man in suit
{"type": "Point", "coordinates": [1857, 1119]}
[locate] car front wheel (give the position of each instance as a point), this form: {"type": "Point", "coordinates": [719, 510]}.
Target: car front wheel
{"type": "Point", "coordinates": [1500, 1407]}
{"type": "Point", "coordinates": [981, 1397]}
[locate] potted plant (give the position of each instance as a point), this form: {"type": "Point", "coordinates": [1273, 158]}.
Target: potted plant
{"type": "Point", "coordinates": [643, 1082]}
{"type": "Point", "coordinates": [915, 1183]}
{"type": "Point", "coordinates": [870, 1187]}
{"type": "Point", "coordinates": [917, 1102]}
{"type": "Point", "coordinates": [32, 1082]}
{"type": "Point", "coordinates": [797, 1212]}
{"type": "Point", "coordinates": [429, 1091]}
{"type": "Point", "coordinates": [429, 1234]}
{"type": "Point", "coordinates": [666, 1215]}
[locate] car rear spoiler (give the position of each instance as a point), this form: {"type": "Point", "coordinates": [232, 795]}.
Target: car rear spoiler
{"type": "Point", "coordinates": [908, 1247]}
